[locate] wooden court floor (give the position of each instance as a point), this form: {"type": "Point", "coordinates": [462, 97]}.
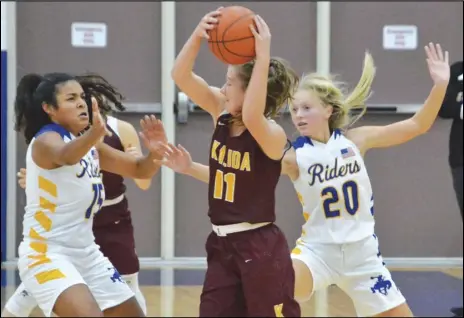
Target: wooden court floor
{"type": "Point", "coordinates": [183, 301]}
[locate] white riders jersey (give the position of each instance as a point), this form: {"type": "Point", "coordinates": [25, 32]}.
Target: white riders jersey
{"type": "Point", "coordinates": [61, 202]}
{"type": "Point", "coordinates": [335, 191]}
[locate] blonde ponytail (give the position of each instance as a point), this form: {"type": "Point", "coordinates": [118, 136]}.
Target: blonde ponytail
{"type": "Point", "coordinates": [361, 93]}
{"type": "Point", "coordinates": [331, 94]}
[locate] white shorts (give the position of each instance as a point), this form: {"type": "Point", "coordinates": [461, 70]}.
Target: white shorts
{"type": "Point", "coordinates": [66, 267]}
{"type": "Point", "coordinates": [357, 268]}
{"type": "Point", "coordinates": [21, 303]}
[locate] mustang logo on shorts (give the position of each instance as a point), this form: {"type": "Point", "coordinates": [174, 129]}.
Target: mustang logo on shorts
{"type": "Point", "coordinates": [116, 276]}
{"type": "Point", "coordinates": [24, 293]}
{"type": "Point", "coordinates": [382, 285]}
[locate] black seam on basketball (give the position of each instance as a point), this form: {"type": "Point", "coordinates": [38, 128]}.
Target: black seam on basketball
{"type": "Point", "coordinates": [234, 40]}
{"type": "Point", "coordinates": [236, 21]}
{"type": "Point", "coordinates": [232, 52]}
{"type": "Point", "coordinates": [225, 32]}
{"type": "Point", "coordinates": [219, 47]}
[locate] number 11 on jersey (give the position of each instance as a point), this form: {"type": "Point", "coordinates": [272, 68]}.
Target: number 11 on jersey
{"type": "Point", "coordinates": [229, 180]}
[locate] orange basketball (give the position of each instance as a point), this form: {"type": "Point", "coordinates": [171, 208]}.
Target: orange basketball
{"type": "Point", "coordinates": [232, 41]}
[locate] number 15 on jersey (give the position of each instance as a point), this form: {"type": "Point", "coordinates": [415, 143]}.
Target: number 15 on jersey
{"type": "Point", "coordinates": [97, 201]}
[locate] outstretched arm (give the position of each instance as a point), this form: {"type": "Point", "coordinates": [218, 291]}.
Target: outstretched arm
{"type": "Point", "coordinates": [199, 172]}
{"type": "Point", "coordinates": [208, 98]}
{"type": "Point", "coordinates": [126, 165]}
{"type": "Point", "coordinates": [367, 137]}
{"type": "Point", "coordinates": [269, 135]}
{"type": "Point", "coordinates": [179, 160]}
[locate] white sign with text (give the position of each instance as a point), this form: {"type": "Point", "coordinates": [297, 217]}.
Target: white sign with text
{"type": "Point", "coordinates": [400, 37]}
{"type": "Point", "coordinates": [88, 34]}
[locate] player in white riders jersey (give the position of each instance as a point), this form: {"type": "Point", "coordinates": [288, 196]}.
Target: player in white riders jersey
{"type": "Point", "coordinates": [59, 262]}
{"type": "Point", "coordinates": [338, 244]}
{"type": "Point", "coordinates": [112, 226]}
{"type": "Point", "coordinates": [333, 181]}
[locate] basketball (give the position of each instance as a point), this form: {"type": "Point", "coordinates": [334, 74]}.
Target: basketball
{"type": "Point", "coordinates": [232, 41]}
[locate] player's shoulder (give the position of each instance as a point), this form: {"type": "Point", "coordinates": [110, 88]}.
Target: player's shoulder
{"type": "Point", "coordinates": [302, 142]}
{"type": "Point", "coordinates": [53, 128]}
{"type": "Point", "coordinates": [120, 122]}
{"type": "Point", "coordinates": [355, 137]}
{"type": "Point", "coordinates": [125, 127]}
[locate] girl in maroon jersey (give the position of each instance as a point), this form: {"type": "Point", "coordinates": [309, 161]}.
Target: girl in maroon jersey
{"type": "Point", "coordinates": [112, 226]}
{"type": "Point", "coordinates": [249, 267]}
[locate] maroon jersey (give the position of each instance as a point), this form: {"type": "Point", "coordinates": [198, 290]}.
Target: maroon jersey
{"type": "Point", "coordinates": [242, 178]}
{"type": "Point", "coordinates": [112, 225]}
{"type": "Point", "coordinates": [114, 186]}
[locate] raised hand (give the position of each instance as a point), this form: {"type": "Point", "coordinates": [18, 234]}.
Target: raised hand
{"type": "Point", "coordinates": [177, 159]}
{"type": "Point", "coordinates": [207, 23]}
{"type": "Point", "coordinates": [98, 123]}
{"type": "Point", "coordinates": [438, 64]}
{"type": "Point", "coordinates": [262, 36]}
{"type": "Point", "coordinates": [153, 135]}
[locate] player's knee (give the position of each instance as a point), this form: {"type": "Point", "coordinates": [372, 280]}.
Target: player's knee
{"type": "Point", "coordinates": [141, 300]}
{"type": "Point", "coordinates": [133, 282]}
{"type": "Point", "coordinates": [21, 304]}
{"type": "Point", "coordinates": [69, 303]}
{"type": "Point", "coordinates": [129, 308]}
{"type": "Point", "coordinates": [303, 281]}
{"type": "Point", "coordinates": [6, 313]}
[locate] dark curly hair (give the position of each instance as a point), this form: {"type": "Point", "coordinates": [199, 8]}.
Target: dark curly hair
{"type": "Point", "coordinates": [107, 96]}
{"type": "Point", "coordinates": [33, 90]}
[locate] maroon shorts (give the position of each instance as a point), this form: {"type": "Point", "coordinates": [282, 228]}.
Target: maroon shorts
{"type": "Point", "coordinates": [250, 274]}
{"type": "Point", "coordinates": [116, 241]}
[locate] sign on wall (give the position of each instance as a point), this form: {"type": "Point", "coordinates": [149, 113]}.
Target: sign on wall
{"type": "Point", "coordinates": [88, 34]}
{"type": "Point", "coordinates": [400, 37]}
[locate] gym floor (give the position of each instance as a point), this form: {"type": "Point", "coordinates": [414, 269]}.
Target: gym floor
{"type": "Point", "coordinates": [174, 292]}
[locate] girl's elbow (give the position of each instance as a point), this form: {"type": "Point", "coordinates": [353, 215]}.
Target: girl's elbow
{"type": "Point", "coordinates": [177, 74]}
{"type": "Point", "coordinates": [174, 73]}
{"type": "Point", "coordinates": [145, 174]}
{"type": "Point", "coordinates": [420, 127]}
{"type": "Point", "coordinates": [142, 175]}
{"type": "Point", "coordinates": [423, 129]}
{"type": "Point", "coordinates": [143, 184]}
